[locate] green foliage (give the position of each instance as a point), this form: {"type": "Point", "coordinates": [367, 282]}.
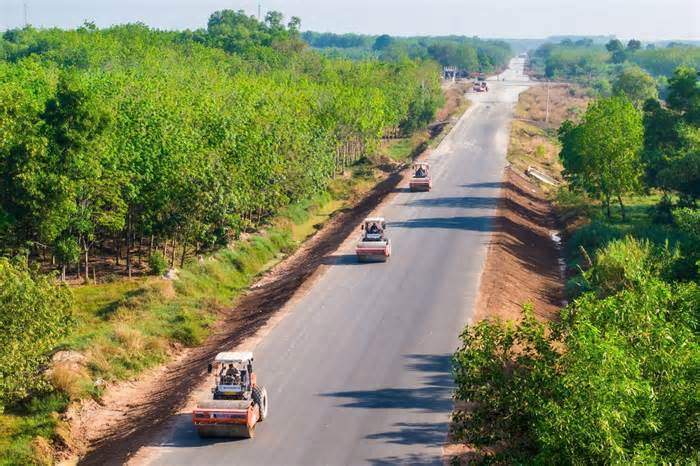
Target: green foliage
{"type": "Point", "coordinates": [601, 155]}
{"type": "Point", "coordinates": [193, 137]}
{"type": "Point", "coordinates": [34, 315]}
{"type": "Point", "coordinates": [637, 85]}
{"type": "Point", "coordinates": [612, 382]}
{"type": "Point", "coordinates": [157, 263]}
{"type": "Point", "coordinates": [465, 53]}
{"type": "Point", "coordinates": [664, 61]}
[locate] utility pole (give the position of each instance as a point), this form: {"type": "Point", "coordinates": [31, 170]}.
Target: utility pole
{"type": "Point", "coordinates": [546, 118]}
{"type": "Point", "coordinates": [259, 10]}
{"type": "Point", "coordinates": [26, 22]}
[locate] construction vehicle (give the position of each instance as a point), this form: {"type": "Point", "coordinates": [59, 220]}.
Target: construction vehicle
{"type": "Point", "coordinates": [238, 403]}
{"type": "Point", "coordinates": [373, 246]}
{"type": "Point", "coordinates": [421, 181]}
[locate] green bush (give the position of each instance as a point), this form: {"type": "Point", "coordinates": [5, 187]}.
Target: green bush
{"type": "Point", "coordinates": [613, 382]}
{"type": "Point", "coordinates": [34, 315]}
{"type": "Point", "coordinates": [157, 263]}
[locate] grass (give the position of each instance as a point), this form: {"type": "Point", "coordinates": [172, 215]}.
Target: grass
{"type": "Point", "coordinates": [533, 138]}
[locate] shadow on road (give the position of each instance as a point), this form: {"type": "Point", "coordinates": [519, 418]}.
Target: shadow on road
{"type": "Point", "coordinates": [466, 202]}
{"type": "Point", "coordinates": [187, 436]}
{"type": "Point", "coordinates": [433, 395]}
{"type": "Point", "coordinates": [341, 259]}
{"type": "Point", "coordinates": [484, 224]}
{"type": "Point", "coordinates": [504, 185]}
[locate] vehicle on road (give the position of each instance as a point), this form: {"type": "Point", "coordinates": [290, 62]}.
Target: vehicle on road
{"type": "Point", "coordinates": [421, 180]}
{"type": "Point", "coordinates": [374, 245]}
{"type": "Point", "coordinates": [477, 87]}
{"type": "Point", "coordinates": [238, 403]}
{"type": "Point", "coordinates": [484, 86]}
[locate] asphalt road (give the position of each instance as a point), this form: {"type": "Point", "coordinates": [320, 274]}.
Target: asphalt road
{"type": "Point", "coordinates": [359, 371]}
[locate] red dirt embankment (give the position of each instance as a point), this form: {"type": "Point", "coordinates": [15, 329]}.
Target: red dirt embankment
{"type": "Point", "coordinates": [522, 265]}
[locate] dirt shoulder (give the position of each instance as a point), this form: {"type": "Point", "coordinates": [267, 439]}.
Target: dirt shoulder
{"type": "Point", "coordinates": [522, 265]}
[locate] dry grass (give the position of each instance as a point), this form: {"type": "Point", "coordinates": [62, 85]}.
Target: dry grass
{"type": "Point", "coordinates": [533, 138]}
{"type": "Point", "coordinates": [71, 378]}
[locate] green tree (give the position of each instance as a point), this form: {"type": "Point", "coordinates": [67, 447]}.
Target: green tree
{"type": "Point", "coordinates": [684, 94]}
{"type": "Point", "coordinates": [617, 50]}
{"type": "Point", "coordinates": [601, 155]}
{"type": "Point", "coordinates": [637, 85]}
{"type": "Point", "coordinates": [34, 315]}
{"type": "Point", "coordinates": [633, 45]}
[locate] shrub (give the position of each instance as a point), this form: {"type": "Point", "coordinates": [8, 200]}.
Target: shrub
{"type": "Point", "coordinates": [157, 263]}
{"type": "Point", "coordinates": [34, 315]}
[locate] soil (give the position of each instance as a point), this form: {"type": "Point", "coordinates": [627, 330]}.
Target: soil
{"type": "Point", "coordinates": [522, 265]}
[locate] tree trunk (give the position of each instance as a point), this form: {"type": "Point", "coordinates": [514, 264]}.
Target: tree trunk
{"type": "Point", "coordinates": [622, 207]}
{"type": "Point", "coordinates": [87, 261]}
{"type": "Point", "coordinates": [172, 254]}
{"type": "Point", "coordinates": [607, 207]}
{"type": "Point", "coordinates": [119, 250]}
{"type": "Point", "coordinates": [184, 252]}
{"type": "Point", "coordinates": [139, 250]}
{"type": "Point", "coordinates": [128, 244]}
{"type": "Point", "coordinates": [63, 272]}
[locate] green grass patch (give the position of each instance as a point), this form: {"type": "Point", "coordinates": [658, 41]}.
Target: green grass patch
{"type": "Point", "coordinates": [25, 430]}
{"type": "Point", "coordinates": [400, 150]}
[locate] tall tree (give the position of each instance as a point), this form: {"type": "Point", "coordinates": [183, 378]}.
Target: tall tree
{"type": "Point", "coordinates": [601, 155]}
{"type": "Point", "coordinates": [637, 85]}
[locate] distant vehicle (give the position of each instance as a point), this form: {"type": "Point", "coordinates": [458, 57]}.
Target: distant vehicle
{"type": "Point", "coordinates": [421, 181]}
{"type": "Point", "coordinates": [484, 86]}
{"type": "Point", "coordinates": [478, 88]}
{"type": "Point", "coordinates": [238, 402]}
{"type": "Point", "coordinates": [374, 246]}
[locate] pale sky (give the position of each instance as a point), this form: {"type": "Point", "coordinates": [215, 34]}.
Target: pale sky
{"type": "Point", "coordinates": [642, 19]}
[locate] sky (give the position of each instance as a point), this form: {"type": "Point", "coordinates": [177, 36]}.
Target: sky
{"type": "Point", "coordinates": [642, 19]}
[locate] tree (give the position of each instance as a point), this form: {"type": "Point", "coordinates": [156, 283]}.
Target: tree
{"type": "Point", "coordinates": [684, 93]}
{"type": "Point", "coordinates": [637, 85]}
{"type": "Point", "coordinates": [294, 23]}
{"type": "Point", "coordinates": [35, 315]}
{"type": "Point", "coordinates": [601, 155]}
{"type": "Point", "coordinates": [382, 42]}
{"type": "Point", "coordinates": [617, 51]}
{"type": "Point", "coordinates": [633, 45]}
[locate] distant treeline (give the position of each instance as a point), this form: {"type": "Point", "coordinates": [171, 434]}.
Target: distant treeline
{"type": "Point", "coordinates": [130, 136]}
{"type": "Point", "coordinates": [597, 64]}
{"type": "Point", "coordinates": [469, 54]}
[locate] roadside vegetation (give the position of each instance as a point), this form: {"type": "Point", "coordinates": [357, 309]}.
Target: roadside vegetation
{"type": "Point", "coordinates": [597, 65]}
{"type": "Point", "coordinates": [206, 156]}
{"type": "Point", "coordinates": [614, 378]}
{"type": "Point", "coordinates": [467, 54]}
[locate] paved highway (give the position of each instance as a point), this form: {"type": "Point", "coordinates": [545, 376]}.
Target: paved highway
{"type": "Point", "coordinates": [358, 372]}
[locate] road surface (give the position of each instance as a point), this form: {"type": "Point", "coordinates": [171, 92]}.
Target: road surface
{"type": "Point", "coordinates": [358, 372]}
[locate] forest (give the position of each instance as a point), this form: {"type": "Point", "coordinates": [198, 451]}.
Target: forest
{"type": "Point", "coordinates": [468, 54]}
{"type": "Point", "coordinates": [597, 65]}
{"type": "Point", "coordinates": [128, 140]}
